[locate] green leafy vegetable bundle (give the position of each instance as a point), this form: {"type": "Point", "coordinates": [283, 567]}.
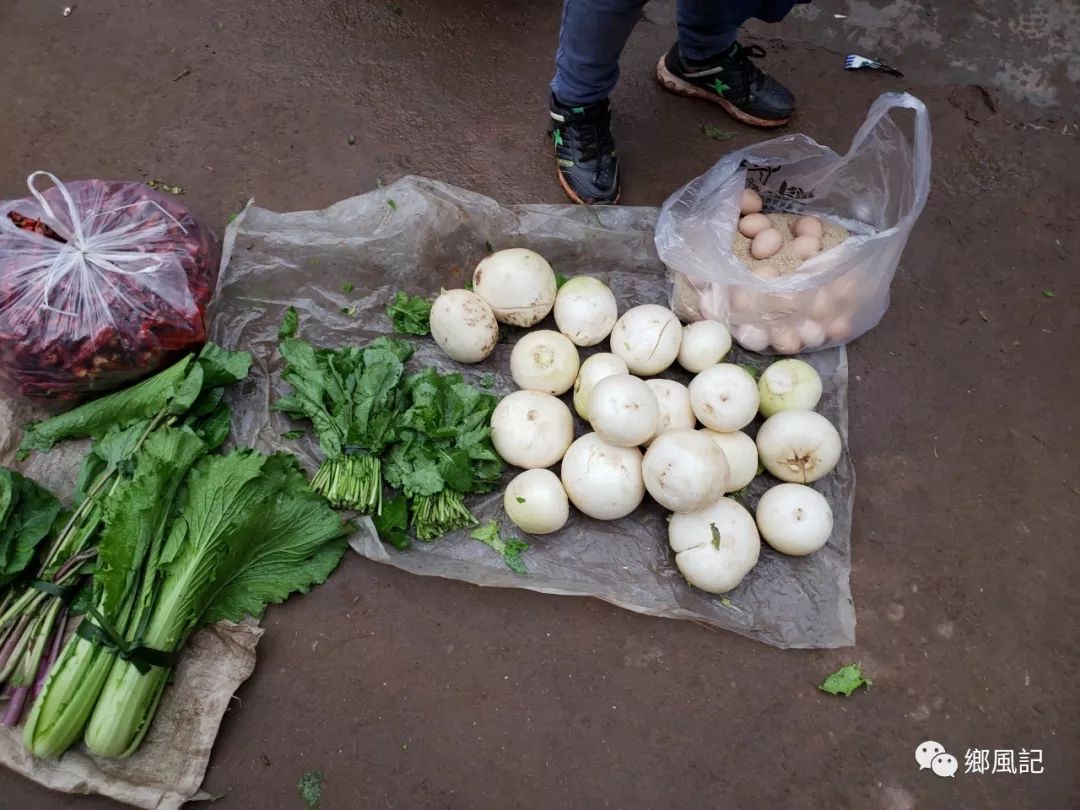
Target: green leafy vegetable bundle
{"type": "Point", "coordinates": [33, 609]}
{"type": "Point", "coordinates": [352, 399]}
{"type": "Point", "coordinates": [427, 436]}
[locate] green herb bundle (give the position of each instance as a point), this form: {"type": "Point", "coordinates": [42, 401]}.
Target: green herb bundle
{"type": "Point", "coordinates": [352, 399]}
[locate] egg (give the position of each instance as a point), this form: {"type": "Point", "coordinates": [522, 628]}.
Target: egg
{"type": "Point", "coordinates": [811, 333]}
{"type": "Point", "coordinates": [765, 271]}
{"type": "Point", "coordinates": [808, 226]}
{"type": "Point", "coordinates": [740, 299]}
{"type": "Point", "coordinates": [750, 337]}
{"type": "Point", "coordinates": [803, 247]}
{"type": "Point", "coordinates": [753, 224]}
{"type": "Point", "coordinates": [750, 202]}
{"type": "Point", "coordinates": [823, 307]}
{"type": "Point", "coordinates": [839, 329]}
{"type": "Point", "coordinates": [766, 243]}
{"type": "Point", "coordinates": [785, 340]}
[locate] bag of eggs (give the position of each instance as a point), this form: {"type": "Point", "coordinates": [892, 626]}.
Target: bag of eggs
{"type": "Point", "coordinates": [793, 246]}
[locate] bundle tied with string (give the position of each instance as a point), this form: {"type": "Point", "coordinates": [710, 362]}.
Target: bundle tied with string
{"type": "Point", "coordinates": [101, 283]}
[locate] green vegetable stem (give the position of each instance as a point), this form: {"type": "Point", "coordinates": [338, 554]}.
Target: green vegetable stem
{"type": "Point", "coordinates": [439, 514]}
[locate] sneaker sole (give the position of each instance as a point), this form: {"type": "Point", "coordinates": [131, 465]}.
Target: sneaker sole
{"type": "Point", "coordinates": [683, 88]}
{"type": "Point", "coordinates": [573, 195]}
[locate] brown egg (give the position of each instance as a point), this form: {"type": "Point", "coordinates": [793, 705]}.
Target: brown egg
{"type": "Point", "coordinates": [753, 224]}
{"type": "Point", "coordinates": [766, 243]}
{"type": "Point", "coordinates": [808, 226]}
{"type": "Point", "coordinates": [804, 247]}
{"type": "Point", "coordinates": [785, 340]}
{"type": "Point", "coordinates": [839, 329]}
{"type": "Point", "coordinates": [765, 271]}
{"type": "Point", "coordinates": [750, 203]}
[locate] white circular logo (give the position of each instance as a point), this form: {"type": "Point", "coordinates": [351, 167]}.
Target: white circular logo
{"type": "Point", "coordinates": [926, 752]}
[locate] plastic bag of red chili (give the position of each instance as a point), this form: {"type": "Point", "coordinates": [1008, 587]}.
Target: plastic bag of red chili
{"type": "Point", "coordinates": [101, 283]}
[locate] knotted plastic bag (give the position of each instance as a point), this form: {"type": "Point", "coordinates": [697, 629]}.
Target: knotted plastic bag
{"type": "Point", "coordinates": [101, 283]}
{"type": "Point", "coordinates": [877, 191]}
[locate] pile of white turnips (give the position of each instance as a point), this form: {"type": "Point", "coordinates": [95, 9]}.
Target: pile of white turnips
{"type": "Point", "coordinates": [604, 473]}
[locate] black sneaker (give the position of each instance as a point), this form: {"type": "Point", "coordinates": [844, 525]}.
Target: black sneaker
{"type": "Point", "coordinates": [746, 92]}
{"type": "Point", "coordinates": [585, 152]}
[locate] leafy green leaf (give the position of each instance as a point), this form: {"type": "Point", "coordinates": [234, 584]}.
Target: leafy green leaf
{"type": "Point", "coordinates": [393, 522]}
{"type": "Point", "coordinates": [310, 787]}
{"type": "Point", "coordinates": [292, 435]}
{"type": "Point", "coordinates": [120, 409]}
{"type": "Point", "coordinates": [290, 322]}
{"type": "Point", "coordinates": [392, 203]}
{"type": "Point", "coordinates": [1049, 294]}
{"type": "Point", "coordinates": [519, 499]}
{"type": "Point", "coordinates": [751, 370]}
{"type": "Point", "coordinates": [348, 287]}
{"type": "Point", "coordinates": [845, 681]}
{"type": "Point", "coordinates": [510, 548]}
{"type": "Point", "coordinates": [27, 514]}
{"type": "Point", "coordinates": [137, 510]}
{"type": "Point", "coordinates": [560, 279]}
{"type": "Point", "coordinates": [717, 134]}
{"type": "Point", "coordinates": [410, 314]}
{"type": "Point", "coordinates": [716, 539]}
{"type": "Point", "coordinates": [222, 367]}
{"type": "Point", "coordinates": [487, 379]}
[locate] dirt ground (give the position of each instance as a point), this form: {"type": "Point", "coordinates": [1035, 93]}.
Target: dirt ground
{"type": "Point", "coordinates": [424, 693]}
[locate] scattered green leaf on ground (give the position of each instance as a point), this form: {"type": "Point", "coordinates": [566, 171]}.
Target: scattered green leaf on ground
{"type": "Point", "coordinates": [392, 203]}
{"type": "Point", "coordinates": [845, 681]}
{"type": "Point", "coordinates": [1048, 293]}
{"type": "Point", "coordinates": [229, 219]}
{"type": "Point", "coordinates": [348, 311]}
{"type": "Point", "coordinates": [467, 285]}
{"type": "Point", "coordinates": [410, 314]}
{"type": "Point", "coordinates": [310, 787]}
{"type": "Point", "coordinates": [560, 279]}
{"type": "Point", "coordinates": [510, 548]}
{"type": "Point", "coordinates": [379, 182]}
{"type": "Point", "coordinates": [488, 245]}
{"type": "Point", "coordinates": [291, 435]}
{"type": "Point", "coordinates": [715, 536]}
{"type": "Point", "coordinates": [348, 287]}
{"type": "Point", "coordinates": [717, 134]}
{"type": "Point", "coordinates": [487, 379]}
{"type": "Point", "coordinates": [290, 322]}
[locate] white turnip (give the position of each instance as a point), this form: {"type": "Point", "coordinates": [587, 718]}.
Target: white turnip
{"type": "Point", "coordinates": [647, 338]}
{"type": "Point", "coordinates": [595, 368]}
{"type": "Point", "coordinates": [724, 397]}
{"type": "Point", "coordinates": [463, 325]}
{"type": "Point", "coordinates": [531, 429]}
{"type": "Point", "coordinates": [704, 344]}
{"type": "Point", "coordinates": [544, 361]}
{"type": "Point", "coordinates": [674, 401]}
{"type": "Point", "coordinates": [536, 502]}
{"type": "Point", "coordinates": [623, 410]}
{"type": "Point", "coordinates": [518, 284]}
{"type": "Point", "coordinates": [741, 454]}
{"type": "Point", "coordinates": [789, 385]}
{"type": "Point", "coordinates": [684, 471]}
{"type": "Point", "coordinates": [602, 480]}
{"type": "Point", "coordinates": [585, 310]}
{"type": "Point", "coordinates": [794, 519]}
{"type": "Point", "coordinates": [715, 547]}
{"type": "Point", "coordinates": [798, 446]}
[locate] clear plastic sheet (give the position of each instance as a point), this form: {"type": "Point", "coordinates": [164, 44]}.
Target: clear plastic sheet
{"type": "Point", "coordinates": [419, 235]}
{"type": "Point", "coordinates": [877, 191]}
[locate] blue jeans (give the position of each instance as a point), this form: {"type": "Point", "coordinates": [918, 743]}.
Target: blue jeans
{"type": "Point", "coordinates": [594, 32]}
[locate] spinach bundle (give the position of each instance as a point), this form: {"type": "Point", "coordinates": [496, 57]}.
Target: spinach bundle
{"type": "Point", "coordinates": [427, 435]}
{"type": "Point", "coordinates": [443, 451]}
{"type": "Point", "coordinates": [352, 399]}
{"type": "Point", "coordinates": [27, 513]}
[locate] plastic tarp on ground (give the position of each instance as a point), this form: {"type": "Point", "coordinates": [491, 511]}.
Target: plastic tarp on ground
{"type": "Point", "coordinates": [419, 235]}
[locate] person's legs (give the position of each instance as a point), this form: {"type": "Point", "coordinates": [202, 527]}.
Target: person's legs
{"type": "Point", "coordinates": [708, 62]}
{"type": "Point", "coordinates": [591, 40]}
{"type": "Point", "coordinates": [707, 28]}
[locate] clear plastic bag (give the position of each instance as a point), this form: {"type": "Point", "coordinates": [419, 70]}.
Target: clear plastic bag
{"type": "Point", "coordinates": [877, 191]}
{"type": "Point", "coordinates": [100, 283]}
